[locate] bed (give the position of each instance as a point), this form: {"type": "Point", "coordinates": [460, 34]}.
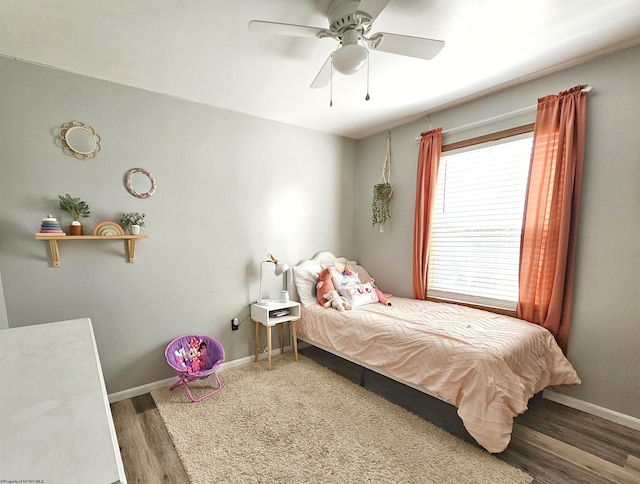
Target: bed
{"type": "Point", "coordinates": [487, 365]}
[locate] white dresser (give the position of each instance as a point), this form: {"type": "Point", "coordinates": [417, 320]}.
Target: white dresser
{"type": "Point", "coordinates": [55, 420]}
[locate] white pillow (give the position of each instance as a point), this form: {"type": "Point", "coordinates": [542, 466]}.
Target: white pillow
{"type": "Point", "coordinates": [305, 279]}
{"type": "Point", "coordinates": [359, 294]}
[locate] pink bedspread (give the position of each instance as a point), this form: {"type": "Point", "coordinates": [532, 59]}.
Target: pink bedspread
{"type": "Point", "coordinates": [486, 364]}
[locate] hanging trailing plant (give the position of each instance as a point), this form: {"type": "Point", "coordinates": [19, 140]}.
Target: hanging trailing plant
{"type": "Point", "coordinates": [380, 206]}
{"type": "Point", "coordinates": [382, 192]}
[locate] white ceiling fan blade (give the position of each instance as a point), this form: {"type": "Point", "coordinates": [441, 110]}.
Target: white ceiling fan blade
{"type": "Point", "coordinates": [407, 45]}
{"type": "Point", "coordinates": [324, 75]}
{"type": "Point", "coordinates": [276, 28]}
{"type": "Point", "coordinates": [373, 7]}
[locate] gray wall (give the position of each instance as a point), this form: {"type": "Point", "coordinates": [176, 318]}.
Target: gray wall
{"type": "Point", "coordinates": [231, 188]}
{"type": "Point", "coordinates": [605, 333]}
{"type": "Point", "coordinates": [4, 323]}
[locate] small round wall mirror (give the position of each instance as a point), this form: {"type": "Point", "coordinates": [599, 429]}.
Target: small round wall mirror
{"type": "Point", "coordinates": [79, 140]}
{"type": "Point", "coordinates": [140, 183]}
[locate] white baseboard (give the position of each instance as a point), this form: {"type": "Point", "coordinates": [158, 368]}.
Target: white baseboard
{"type": "Point", "coordinates": [142, 389]}
{"type": "Point", "coordinates": [590, 408]}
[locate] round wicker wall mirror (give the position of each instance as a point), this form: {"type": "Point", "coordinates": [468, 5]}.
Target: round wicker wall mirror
{"type": "Point", "coordinates": [140, 183]}
{"type": "Point", "coordinates": [79, 140]}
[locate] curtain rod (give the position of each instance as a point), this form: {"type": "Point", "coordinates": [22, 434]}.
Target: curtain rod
{"type": "Point", "coordinates": [493, 118]}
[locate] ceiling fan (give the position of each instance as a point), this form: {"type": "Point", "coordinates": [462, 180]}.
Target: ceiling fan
{"type": "Point", "coordinates": [349, 23]}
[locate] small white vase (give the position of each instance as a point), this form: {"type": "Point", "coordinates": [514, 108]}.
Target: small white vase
{"type": "Point", "coordinates": [134, 229]}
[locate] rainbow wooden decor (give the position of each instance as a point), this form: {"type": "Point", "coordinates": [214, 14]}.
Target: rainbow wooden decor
{"type": "Point", "coordinates": [108, 229]}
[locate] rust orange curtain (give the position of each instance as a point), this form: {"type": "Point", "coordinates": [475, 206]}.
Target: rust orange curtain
{"type": "Point", "coordinates": [548, 245]}
{"type": "Point", "coordinates": [428, 163]}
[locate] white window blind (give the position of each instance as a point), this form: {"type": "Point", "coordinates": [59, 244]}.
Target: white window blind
{"type": "Point", "coordinates": [475, 245]}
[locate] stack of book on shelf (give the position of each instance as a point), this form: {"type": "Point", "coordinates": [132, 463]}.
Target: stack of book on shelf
{"type": "Point", "coordinates": [278, 313]}
{"type": "Point", "coordinates": [51, 226]}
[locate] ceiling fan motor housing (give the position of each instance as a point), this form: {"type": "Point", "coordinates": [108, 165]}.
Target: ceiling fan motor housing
{"type": "Point", "coordinates": [344, 17]}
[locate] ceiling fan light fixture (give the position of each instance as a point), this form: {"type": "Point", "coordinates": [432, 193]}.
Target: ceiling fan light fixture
{"type": "Point", "coordinates": [350, 22]}
{"type": "Point", "coordinates": [349, 59]}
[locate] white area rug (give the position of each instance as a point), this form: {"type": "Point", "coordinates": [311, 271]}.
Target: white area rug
{"type": "Point", "coordinates": [304, 423]}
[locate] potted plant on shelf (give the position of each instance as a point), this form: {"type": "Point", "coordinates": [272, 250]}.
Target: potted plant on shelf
{"type": "Point", "coordinates": [133, 220]}
{"type": "Point", "coordinates": [76, 208]}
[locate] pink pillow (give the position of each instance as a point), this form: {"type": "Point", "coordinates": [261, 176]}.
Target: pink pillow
{"type": "Point", "coordinates": [363, 275]}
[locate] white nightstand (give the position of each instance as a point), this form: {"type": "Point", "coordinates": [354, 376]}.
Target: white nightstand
{"type": "Point", "coordinates": [267, 315]}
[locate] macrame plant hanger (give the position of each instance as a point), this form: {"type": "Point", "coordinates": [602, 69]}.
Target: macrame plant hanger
{"type": "Point", "coordinates": [382, 192]}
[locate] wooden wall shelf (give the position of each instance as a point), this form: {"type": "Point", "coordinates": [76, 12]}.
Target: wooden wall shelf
{"type": "Point", "coordinates": [129, 242]}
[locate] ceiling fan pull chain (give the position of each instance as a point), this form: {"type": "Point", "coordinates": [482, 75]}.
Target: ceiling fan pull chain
{"type": "Point", "coordinates": [331, 85]}
{"type": "Point", "coordinates": [367, 97]}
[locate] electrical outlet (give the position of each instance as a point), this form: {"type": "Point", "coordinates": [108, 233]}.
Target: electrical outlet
{"type": "Point", "coordinates": [235, 324]}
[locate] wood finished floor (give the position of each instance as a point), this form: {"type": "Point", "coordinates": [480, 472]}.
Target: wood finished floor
{"type": "Point", "coordinates": [552, 443]}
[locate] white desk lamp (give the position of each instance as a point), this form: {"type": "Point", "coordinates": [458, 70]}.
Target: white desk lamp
{"type": "Point", "coordinates": [280, 269]}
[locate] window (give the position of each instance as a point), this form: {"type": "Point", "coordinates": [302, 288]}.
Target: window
{"type": "Point", "coordinates": [477, 221]}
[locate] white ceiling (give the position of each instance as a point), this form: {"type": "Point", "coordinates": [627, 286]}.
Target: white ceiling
{"type": "Point", "coordinates": [201, 50]}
